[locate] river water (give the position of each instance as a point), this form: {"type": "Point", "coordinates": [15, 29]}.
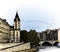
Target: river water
{"type": "Point", "coordinates": [50, 49]}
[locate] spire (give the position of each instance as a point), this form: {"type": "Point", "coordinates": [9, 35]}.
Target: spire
{"type": "Point", "coordinates": [17, 16]}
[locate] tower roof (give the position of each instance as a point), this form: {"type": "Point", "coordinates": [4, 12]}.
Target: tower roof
{"type": "Point", "coordinates": [17, 17]}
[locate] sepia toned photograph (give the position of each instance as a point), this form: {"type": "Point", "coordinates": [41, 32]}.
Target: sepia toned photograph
{"type": "Point", "coordinates": [29, 25]}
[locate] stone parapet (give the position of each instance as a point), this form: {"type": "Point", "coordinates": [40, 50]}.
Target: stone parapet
{"type": "Point", "coordinates": [14, 47]}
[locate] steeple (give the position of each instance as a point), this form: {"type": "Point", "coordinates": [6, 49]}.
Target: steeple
{"type": "Point", "coordinates": [17, 17]}
{"type": "Point", "coordinates": [17, 28]}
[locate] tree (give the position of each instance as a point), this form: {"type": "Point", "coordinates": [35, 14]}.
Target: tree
{"type": "Point", "coordinates": [30, 36]}
{"type": "Point", "coordinates": [33, 38]}
{"type": "Point", "coordinates": [24, 36]}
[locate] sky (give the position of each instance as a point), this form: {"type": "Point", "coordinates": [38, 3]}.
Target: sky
{"type": "Point", "coordinates": [34, 14]}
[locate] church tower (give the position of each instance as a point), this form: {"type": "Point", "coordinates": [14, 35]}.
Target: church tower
{"type": "Point", "coordinates": [17, 27]}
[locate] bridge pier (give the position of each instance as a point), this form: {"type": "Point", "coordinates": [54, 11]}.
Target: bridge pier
{"type": "Point", "coordinates": [41, 45]}
{"type": "Point", "coordinates": [52, 44]}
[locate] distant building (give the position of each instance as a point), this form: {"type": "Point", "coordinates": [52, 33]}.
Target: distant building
{"type": "Point", "coordinates": [48, 35]}
{"type": "Point", "coordinates": [10, 33]}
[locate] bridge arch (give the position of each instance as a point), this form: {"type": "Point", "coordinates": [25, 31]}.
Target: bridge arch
{"type": "Point", "coordinates": [55, 44]}
{"type": "Point", "coordinates": [46, 44]}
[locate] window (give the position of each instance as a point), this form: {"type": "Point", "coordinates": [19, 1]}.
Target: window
{"type": "Point", "coordinates": [13, 34]}
{"type": "Point", "coordinates": [41, 36]}
{"type": "Point", "coordinates": [17, 34]}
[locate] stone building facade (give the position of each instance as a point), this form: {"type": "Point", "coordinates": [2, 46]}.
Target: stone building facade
{"type": "Point", "coordinates": [48, 35]}
{"type": "Point", "coordinates": [4, 30]}
{"type": "Point", "coordinates": [10, 33]}
{"type": "Point", "coordinates": [15, 29]}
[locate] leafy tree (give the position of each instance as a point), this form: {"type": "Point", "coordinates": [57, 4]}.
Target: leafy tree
{"type": "Point", "coordinates": [33, 38]}
{"type": "Point", "coordinates": [30, 36]}
{"type": "Point", "coordinates": [24, 35]}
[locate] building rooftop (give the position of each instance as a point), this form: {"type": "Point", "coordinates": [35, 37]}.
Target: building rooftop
{"type": "Point", "coordinates": [17, 17]}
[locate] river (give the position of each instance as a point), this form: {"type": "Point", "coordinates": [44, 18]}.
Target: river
{"type": "Point", "coordinates": [50, 49]}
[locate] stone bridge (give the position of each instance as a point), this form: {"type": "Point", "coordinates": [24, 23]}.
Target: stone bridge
{"type": "Point", "coordinates": [51, 43]}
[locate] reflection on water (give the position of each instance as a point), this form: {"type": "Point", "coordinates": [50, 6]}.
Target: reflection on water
{"type": "Point", "coordinates": [50, 49]}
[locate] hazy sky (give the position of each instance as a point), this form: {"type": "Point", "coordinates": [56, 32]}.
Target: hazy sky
{"type": "Point", "coordinates": [34, 14]}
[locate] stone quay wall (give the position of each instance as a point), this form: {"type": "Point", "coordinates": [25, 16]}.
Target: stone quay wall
{"type": "Point", "coordinates": [15, 47]}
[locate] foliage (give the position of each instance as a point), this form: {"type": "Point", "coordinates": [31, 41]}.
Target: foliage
{"type": "Point", "coordinates": [30, 36]}
{"type": "Point", "coordinates": [23, 35]}
{"type": "Point", "coordinates": [33, 38]}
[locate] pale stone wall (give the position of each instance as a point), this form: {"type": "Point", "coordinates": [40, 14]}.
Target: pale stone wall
{"type": "Point", "coordinates": [4, 24]}
{"type": "Point", "coordinates": [4, 30]}
{"type": "Point", "coordinates": [18, 25]}
{"type": "Point", "coordinates": [17, 34]}
{"type": "Point", "coordinates": [14, 25]}
{"type": "Point", "coordinates": [12, 32]}
{"type": "Point", "coordinates": [11, 35]}
{"type": "Point", "coordinates": [58, 35]}
{"type": "Point", "coordinates": [16, 48]}
{"type": "Point", "coordinates": [17, 30]}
